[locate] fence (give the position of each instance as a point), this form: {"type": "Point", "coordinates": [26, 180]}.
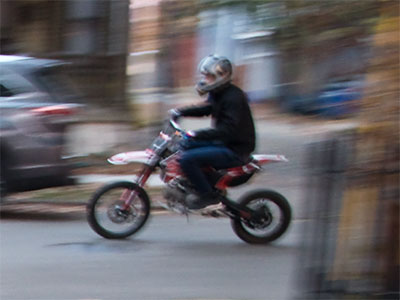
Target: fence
{"type": "Point", "coordinates": [351, 241]}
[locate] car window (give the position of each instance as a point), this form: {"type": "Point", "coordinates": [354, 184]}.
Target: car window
{"type": "Point", "coordinates": [13, 84]}
{"type": "Point", "coordinates": [56, 82]}
{"type": "Point", "coordinates": [4, 92]}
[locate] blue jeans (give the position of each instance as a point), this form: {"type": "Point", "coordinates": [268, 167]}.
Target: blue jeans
{"type": "Point", "coordinates": [217, 156]}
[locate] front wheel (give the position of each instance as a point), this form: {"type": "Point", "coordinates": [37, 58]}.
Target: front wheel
{"type": "Point", "coordinates": [274, 215]}
{"type": "Point", "coordinates": [108, 216]}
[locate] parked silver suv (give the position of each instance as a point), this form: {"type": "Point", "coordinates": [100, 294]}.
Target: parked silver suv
{"type": "Point", "coordinates": [36, 106]}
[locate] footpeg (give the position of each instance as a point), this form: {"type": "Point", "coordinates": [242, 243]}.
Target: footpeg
{"type": "Point", "coordinates": [215, 211]}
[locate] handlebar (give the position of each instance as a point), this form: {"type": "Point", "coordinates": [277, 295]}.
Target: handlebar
{"type": "Point", "coordinates": [176, 126]}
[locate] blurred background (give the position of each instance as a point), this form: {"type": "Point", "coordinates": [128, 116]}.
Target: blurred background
{"type": "Point", "coordinates": [130, 61]}
{"type": "Point", "coordinates": [305, 56]}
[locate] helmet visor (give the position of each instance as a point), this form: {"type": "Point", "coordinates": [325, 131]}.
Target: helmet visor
{"type": "Point", "coordinates": [213, 71]}
{"type": "Point", "coordinates": [207, 65]}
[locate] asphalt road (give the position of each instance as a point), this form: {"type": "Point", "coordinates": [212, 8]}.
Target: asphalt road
{"type": "Point", "coordinates": [169, 259]}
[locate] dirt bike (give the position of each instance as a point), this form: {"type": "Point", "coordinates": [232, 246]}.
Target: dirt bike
{"type": "Point", "coordinates": [118, 210]}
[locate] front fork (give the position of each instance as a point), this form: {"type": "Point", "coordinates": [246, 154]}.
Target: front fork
{"type": "Point", "coordinates": [129, 195]}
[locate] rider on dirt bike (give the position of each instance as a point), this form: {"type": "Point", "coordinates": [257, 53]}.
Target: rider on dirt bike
{"type": "Point", "coordinates": [231, 139]}
{"type": "Point", "coordinates": [120, 209]}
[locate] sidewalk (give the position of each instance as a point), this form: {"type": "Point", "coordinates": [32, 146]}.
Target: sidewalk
{"type": "Point", "coordinates": [153, 182]}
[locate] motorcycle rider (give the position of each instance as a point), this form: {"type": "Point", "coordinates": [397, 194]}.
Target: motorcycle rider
{"type": "Point", "coordinates": [230, 140]}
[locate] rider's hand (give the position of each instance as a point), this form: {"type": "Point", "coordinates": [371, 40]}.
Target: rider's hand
{"type": "Point", "coordinates": [189, 141]}
{"type": "Point", "coordinates": [174, 114]}
{"type": "Point", "coordinates": [190, 134]}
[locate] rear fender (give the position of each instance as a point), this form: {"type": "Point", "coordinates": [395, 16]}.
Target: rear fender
{"type": "Point", "coordinates": [131, 157]}
{"type": "Point", "coordinates": [263, 159]}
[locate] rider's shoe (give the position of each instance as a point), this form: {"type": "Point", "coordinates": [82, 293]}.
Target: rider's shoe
{"type": "Point", "coordinates": [201, 201]}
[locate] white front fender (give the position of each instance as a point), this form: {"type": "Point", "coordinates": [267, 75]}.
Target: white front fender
{"type": "Point", "coordinates": [130, 157]}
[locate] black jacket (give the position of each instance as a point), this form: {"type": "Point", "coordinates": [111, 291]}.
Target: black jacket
{"type": "Point", "coordinates": [231, 119]}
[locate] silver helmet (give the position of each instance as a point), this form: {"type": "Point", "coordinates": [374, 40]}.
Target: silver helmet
{"type": "Point", "coordinates": [215, 71]}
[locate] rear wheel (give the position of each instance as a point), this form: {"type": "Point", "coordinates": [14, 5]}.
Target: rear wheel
{"type": "Point", "coordinates": [274, 217]}
{"type": "Point", "coordinates": [108, 216]}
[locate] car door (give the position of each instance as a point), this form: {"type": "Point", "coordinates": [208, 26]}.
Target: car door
{"type": "Point", "coordinates": [28, 145]}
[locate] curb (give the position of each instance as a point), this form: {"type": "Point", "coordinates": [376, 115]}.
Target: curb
{"type": "Point", "coordinates": [48, 210]}
{"type": "Point", "coordinates": [42, 210]}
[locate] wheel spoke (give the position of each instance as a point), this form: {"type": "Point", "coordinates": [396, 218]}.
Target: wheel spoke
{"type": "Point", "coordinates": [117, 219]}
{"type": "Point", "coordinates": [268, 224]}
{"type": "Point", "coordinates": [271, 218]}
{"type": "Point", "coordinates": [112, 217]}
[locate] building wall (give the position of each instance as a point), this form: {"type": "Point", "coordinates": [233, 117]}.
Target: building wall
{"type": "Point", "coordinates": [93, 35]}
{"type": "Point", "coordinates": [230, 32]}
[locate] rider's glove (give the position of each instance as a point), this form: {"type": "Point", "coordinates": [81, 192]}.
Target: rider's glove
{"type": "Point", "coordinates": [190, 134]}
{"type": "Point", "coordinates": [188, 141]}
{"type": "Point", "coordinates": [175, 114]}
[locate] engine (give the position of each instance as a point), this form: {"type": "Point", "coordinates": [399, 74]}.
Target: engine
{"type": "Point", "coordinates": [175, 193]}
